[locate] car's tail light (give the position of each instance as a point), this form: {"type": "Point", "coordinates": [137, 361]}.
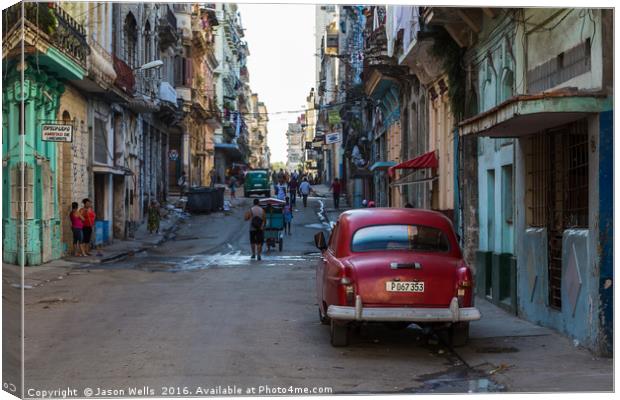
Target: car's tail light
{"type": "Point", "coordinates": [347, 291]}
{"type": "Point", "coordinates": [464, 287]}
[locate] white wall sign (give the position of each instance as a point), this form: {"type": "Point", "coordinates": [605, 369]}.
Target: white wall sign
{"type": "Point", "coordinates": [333, 137]}
{"type": "Point", "coordinates": [57, 132]}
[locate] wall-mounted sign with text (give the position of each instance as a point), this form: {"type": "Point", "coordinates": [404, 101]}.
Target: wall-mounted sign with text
{"type": "Point", "coordinates": [333, 137]}
{"type": "Point", "coordinates": [57, 132]}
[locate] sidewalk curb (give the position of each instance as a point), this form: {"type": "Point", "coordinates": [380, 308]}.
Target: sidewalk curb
{"type": "Point", "coordinates": [123, 255]}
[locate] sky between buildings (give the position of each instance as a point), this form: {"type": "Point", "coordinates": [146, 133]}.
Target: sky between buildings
{"type": "Point", "coordinates": [281, 62]}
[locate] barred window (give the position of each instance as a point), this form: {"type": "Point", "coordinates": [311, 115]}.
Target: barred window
{"type": "Point", "coordinates": [557, 190]}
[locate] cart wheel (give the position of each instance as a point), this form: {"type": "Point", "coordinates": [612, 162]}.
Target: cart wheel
{"type": "Point", "coordinates": [280, 244]}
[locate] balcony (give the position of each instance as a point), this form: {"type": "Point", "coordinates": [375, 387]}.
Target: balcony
{"type": "Point", "coordinates": [167, 93]}
{"type": "Point", "coordinates": [215, 114]}
{"type": "Point", "coordinates": [100, 65]}
{"type": "Point", "coordinates": [147, 84]}
{"type": "Point", "coordinates": [376, 49]}
{"type": "Point", "coordinates": [200, 103]}
{"type": "Point", "coordinates": [47, 26]}
{"type": "Point", "coordinates": [124, 76]}
{"type": "Point", "coordinates": [168, 34]}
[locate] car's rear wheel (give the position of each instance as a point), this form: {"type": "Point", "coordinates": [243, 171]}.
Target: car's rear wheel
{"type": "Point", "coordinates": [339, 334]}
{"type": "Point", "coordinates": [323, 317]}
{"type": "Point", "coordinates": [459, 334]}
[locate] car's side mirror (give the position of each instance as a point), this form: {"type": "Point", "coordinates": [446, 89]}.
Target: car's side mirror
{"type": "Point", "coordinates": [319, 241]}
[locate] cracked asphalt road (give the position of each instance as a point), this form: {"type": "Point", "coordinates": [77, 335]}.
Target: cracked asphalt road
{"type": "Point", "coordinates": [196, 314]}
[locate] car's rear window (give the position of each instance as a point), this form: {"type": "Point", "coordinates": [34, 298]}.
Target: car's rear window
{"type": "Point", "coordinates": [259, 175]}
{"type": "Point", "coordinates": [400, 237]}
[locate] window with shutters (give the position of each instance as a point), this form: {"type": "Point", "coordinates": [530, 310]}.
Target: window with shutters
{"type": "Point", "coordinates": [131, 40]}
{"type": "Point", "coordinates": [101, 143]}
{"type": "Point", "coordinates": [187, 77]}
{"type": "Point", "coordinates": [178, 70]}
{"type": "Point", "coordinates": [148, 44]}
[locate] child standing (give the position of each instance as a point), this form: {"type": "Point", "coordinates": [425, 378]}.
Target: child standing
{"type": "Point", "coordinates": [288, 216]}
{"type": "Point", "coordinates": [77, 223]}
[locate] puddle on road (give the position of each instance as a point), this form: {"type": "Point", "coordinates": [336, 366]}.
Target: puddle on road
{"type": "Point", "coordinates": [317, 226]}
{"type": "Point", "coordinates": [218, 260]}
{"type": "Point", "coordinates": [458, 380]}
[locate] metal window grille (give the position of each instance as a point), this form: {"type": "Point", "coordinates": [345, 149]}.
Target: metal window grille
{"type": "Point", "coordinates": [557, 191]}
{"type": "Point", "coordinates": [576, 201]}
{"type": "Point", "coordinates": [538, 179]}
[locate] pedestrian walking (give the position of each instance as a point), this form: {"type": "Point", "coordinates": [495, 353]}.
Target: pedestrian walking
{"type": "Point", "coordinates": [256, 216]}
{"type": "Point", "coordinates": [335, 188]}
{"type": "Point", "coordinates": [293, 188]}
{"type": "Point", "coordinates": [212, 176]}
{"type": "Point", "coordinates": [281, 191]}
{"type": "Point", "coordinates": [287, 212]}
{"type": "Point", "coordinates": [182, 182]}
{"type": "Point", "coordinates": [274, 181]}
{"type": "Point", "coordinates": [77, 224]}
{"type": "Point", "coordinates": [233, 187]}
{"type": "Point", "coordinates": [304, 189]}
{"type": "Point", "coordinates": [89, 223]}
{"type": "Point", "coordinates": [153, 217]}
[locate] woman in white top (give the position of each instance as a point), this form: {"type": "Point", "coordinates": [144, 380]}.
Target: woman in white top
{"type": "Point", "coordinates": [281, 191]}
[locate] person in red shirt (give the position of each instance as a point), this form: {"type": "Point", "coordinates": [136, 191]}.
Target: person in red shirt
{"type": "Point", "coordinates": [88, 225]}
{"type": "Point", "coordinates": [335, 188]}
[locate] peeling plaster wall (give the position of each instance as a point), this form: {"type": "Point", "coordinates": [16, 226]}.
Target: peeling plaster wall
{"type": "Point", "coordinates": [573, 27]}
{"type": "Point", "coordinates": [74, 178]}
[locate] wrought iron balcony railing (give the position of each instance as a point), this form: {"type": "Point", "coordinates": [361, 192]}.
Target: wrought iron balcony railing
{"type": "Point", "coordinates": [53, 24]}
{"type": "Point", "coordinates": [168, 34]}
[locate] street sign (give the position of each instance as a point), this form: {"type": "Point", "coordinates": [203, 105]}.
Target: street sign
{"type": "Point", "coordinates": [333, 137]}
{"type": "Point", "coordinates": [173, 155]}
{"type": "Point", "coordinates": [57, 132]}
{"type": "Point", "coordinates": [333, 116]}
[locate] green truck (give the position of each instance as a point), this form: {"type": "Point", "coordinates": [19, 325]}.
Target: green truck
{"type": "Point", "coordinates": [257, 182]}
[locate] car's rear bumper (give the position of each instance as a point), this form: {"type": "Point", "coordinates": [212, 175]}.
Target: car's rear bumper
{"type": "Point", "coordinates": [453, 313]}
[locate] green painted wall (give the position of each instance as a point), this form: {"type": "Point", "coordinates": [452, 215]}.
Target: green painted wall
{"type": "Point", "coordinates": [40, 92]}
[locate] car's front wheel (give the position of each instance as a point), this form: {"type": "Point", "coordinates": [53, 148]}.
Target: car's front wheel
{"type": "Point", "coordinates": [459, 334]}
{"type": "Point", "coordinates": [339, 334]}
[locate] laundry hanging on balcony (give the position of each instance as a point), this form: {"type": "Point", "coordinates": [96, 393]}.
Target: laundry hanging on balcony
{"type": "Point", "coordinates": [427, 160]}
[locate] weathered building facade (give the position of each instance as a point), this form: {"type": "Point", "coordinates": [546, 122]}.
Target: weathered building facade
{"type": "Point", "coordinates": [138, 84]}
{"type": "Point", "coordinates": [502, 120]}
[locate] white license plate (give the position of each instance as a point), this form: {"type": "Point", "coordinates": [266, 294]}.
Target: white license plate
{"type": "Point", "coordinates": [412, 287]}
{"type": "Point", "coordinates": [257, 185]}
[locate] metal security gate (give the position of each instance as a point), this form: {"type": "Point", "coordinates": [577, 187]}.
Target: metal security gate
{"type": "Point", "coordinates": [557, 169]}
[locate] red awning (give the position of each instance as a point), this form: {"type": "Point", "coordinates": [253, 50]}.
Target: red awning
{"type": "Point", "coordinates": [428, 160]}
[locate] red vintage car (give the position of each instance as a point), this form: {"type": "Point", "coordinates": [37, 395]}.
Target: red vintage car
{"type": "Point", "coordinates": [394, 266]}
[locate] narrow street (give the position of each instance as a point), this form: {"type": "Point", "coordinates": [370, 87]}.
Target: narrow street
{"type": "Point", "coordinates": [196, 312]}
{"type": "Point", "coordinates": [474, 146]}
